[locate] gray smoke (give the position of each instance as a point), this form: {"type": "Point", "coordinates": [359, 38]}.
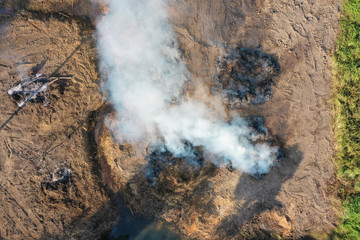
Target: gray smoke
{"type": "Point", "coordinates": [146, 78]}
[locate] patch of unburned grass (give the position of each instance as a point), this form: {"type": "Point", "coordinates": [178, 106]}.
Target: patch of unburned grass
{"type": "Point", "coordinates": [347, 120]}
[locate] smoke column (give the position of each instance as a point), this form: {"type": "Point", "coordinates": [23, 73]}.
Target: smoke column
{"type": "Point", "coordinates": [145, 83]}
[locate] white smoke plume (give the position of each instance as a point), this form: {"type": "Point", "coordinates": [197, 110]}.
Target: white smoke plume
{"type": "Point", "coordinates": [146, 83]}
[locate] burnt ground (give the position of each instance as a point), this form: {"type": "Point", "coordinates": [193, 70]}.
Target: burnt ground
{"type": "Point", "coordinates": [245, 76]}
{"type": "Point", "coordinates": [295, 199]}
{"type": "Point", "coordinates": [301, 35]}
{"type": "Point", "coordinates": [38, 140]}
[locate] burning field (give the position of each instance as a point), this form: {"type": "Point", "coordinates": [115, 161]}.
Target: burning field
{"type": "Point", "coordinates": [204, 119]}
{"type": "Point", "coordinates": [246, 76]}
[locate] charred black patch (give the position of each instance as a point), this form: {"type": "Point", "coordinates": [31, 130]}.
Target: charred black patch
{"type": "Point", "coordinates": [59, 179]}
{"type": "Point", "coordinates": [35, 89]}
{"type": "Point", "coordinates": [246, 76]}
{"type": "Point", "coordinates": [184, 167]}
{"type": "Point", "coordinates": [261, 135]}
{"type": "Point", "coordinates": [257, 124]}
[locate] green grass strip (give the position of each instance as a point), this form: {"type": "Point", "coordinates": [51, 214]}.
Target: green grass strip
{"type": "Point", "coordinates": [347, 119]}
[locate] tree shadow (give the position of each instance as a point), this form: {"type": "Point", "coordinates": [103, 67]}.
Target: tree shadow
{"type": "Point", "coordinates": [257, 196]}
{"type": "Point", "coordinates": [35, 69]}
{"type": "Point", "coordinates": [181, 191]}
{"type": "Point", "coordinates": [114, 220]}
{"type": "Point", "coordinates": [137, 213]}
{"type": "Point", "coordinates": [126, 215]}
{"type": "Point", "coordinates": [85, 227]}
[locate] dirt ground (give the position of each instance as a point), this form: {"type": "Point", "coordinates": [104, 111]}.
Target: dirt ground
{"type": "Point", "coordinates": [39, 139]}
{"type": "Point", "coordinates": [295, 199]}
{"type": "Point", "coordinates": [302, 35]}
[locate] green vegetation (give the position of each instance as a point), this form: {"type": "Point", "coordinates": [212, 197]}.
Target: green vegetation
{"type": "Point", "coordinates": [347, 119]}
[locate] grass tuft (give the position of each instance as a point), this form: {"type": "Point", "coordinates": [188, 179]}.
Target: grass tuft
{"type": "Point", "coordinates": [347, 118]}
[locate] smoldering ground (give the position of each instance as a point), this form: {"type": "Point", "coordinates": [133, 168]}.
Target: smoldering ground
{"type": "Point", "coordinates": [146, 81]}
{"type": "Point", "coordinates": [245, 77]}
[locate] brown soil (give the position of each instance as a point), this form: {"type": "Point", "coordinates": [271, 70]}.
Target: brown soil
{"type": "Point", "coordinates": [302, 35]}
{"type": "Point", "coordinates": [292, 200]}
{"type": "Point", "coordinates": [38, 139]}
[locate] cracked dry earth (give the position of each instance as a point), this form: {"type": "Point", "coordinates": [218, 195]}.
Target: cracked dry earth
{"type": "Point", "coordinates": [293, 200]}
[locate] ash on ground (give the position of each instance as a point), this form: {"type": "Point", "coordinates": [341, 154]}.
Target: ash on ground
{"type": "Point", "coordinates": [260, 134]}
{"type": "Point", "coordinates": [59, 178]}
{"type": "Point", "coordinates": [245, 76]}
{"type": "Point", "coordinates": [34, 89]}
{"type": "Point", "coordinates": [161, 160]}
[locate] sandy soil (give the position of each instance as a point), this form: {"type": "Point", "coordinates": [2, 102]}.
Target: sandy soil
{"type": "Point", "coordinates": [293, 200]}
